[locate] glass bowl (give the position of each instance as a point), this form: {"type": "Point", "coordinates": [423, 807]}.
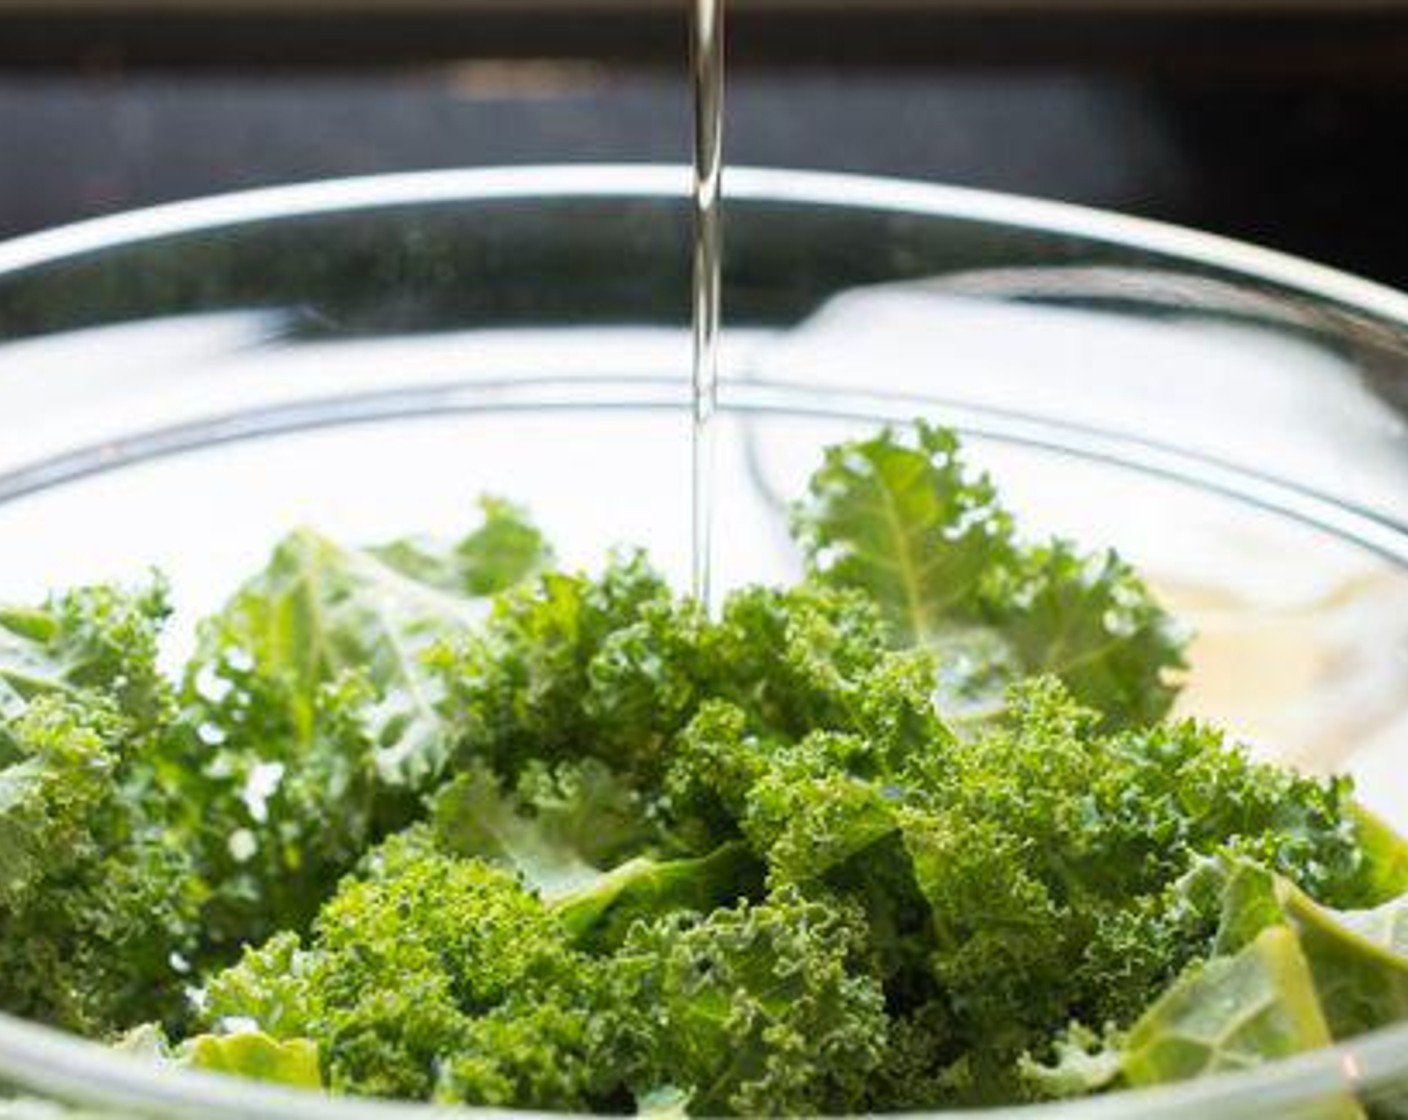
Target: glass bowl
{"type": "Point", "coordinates": [180, 386]}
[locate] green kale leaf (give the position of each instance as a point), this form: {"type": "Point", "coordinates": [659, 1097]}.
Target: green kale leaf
{"type": "Point", "coordinates": [98, 905]}
{"type": "Point", "coordinates": [900, 517]}
{"type": "Point", "coordinates": [1232, 1013]}
{"type": "Point", "coordinates": [558, 830]}
{"type": "Point", "coordinates": [599, 915]}
{"type": "Point", "coordinates": [567, 667]}
{"type": "Point", "coordinates": [100, 639]}
{"type": "Point", "coordinates": [429, 976]}
{"type": "Point", "coordinates": [506, 549]}
{"type": "Point", "coordinates": [250, 1054]}
{"type": "Point", "coordinates": [1359, 959]}
{"type": "Point", "coordinates": [904, 520]}
{"type": "Point", "coordinates": [753, 1010]}
{"type": "Point", "coordinates": [98, 899]}
{"type": "Point", "coordinates": [311, 715]}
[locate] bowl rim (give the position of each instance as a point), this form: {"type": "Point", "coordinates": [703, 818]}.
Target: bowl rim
{"type": "Point", "coordinates": [71, 1067]}
{"type": "Point", "coordinates": [656, 180]}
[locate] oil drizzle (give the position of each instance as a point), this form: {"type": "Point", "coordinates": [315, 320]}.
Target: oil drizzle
{"type": "Point", "coordinates": [707, 50]}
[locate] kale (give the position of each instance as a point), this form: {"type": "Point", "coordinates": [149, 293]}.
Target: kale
{"type": "Point", "coordinates": [99, 900]}
{"type": "Point", "coordinates": [310, 718]}
{"type": "Point", "coordinates": [439, 821]}
{"type": "Point", "coordinates": [901, 517]}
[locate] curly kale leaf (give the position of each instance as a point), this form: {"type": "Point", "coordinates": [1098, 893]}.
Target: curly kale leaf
{"type": "Point", "coordinates": [1082, 1062]}
{"type": "Point", "coordinates": [312, 717]}
{"type": "Point", "coordinates": [807, 808]}
{"type": "Point", "coordinates": [431, 977]}
{"type": "Point", "coordinates": [1050, 852]}
{"type": "Point", "coordinates": [1284, 975]}
{"type": "Point", "coordinates": [904, 520]}
{"type": "Point", "coordinates": [1123, 812]}
{"type": "Point", "coordinates": [568, 666]}
{"type": "Point", "coordinates": [275, 818]}
{"type": "Point", "coordinates": [900, 517]}
{"type": "Point", "coordinates": [799, 660]}
{"type": "Point", "coordinates": [820, 814]}
{"type": "Point", "coordinates": [98, 902]}
{"type": "Point", "coordinates": [753, 1010]}
{"type": "Point", "coordinates": [1089, 620]}
{"type": "Point", "coordinates": [100, 639]}
{"type": "Point", "coordinates": [436, 977]}
{"type": "Point", "coordinates": [63, 776]}
{"type": "Point", "coordinates": [254, 1055]}
{"type": "Point", "coordinates": [321, 610]}
{"type": "Point", "coordinates": [1235, 896]}
{"type": "Point", "coordinates": [579, 838]}
{"type": "Point", "coordinates": [97, 907]}
{"type": "Point", "coordinates": [615, 667]}
{"type": "Point", "coordinates": [1013, 880]}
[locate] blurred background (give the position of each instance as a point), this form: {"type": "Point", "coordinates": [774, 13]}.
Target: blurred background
{"type": "Point", "coordinates": [1280, 121]}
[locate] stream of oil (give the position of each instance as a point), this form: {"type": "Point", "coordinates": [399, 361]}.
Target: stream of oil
{"type": "Point", "coordinates": [707, 50]}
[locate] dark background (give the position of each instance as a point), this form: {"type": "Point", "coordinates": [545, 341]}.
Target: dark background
{"type": "Point", "coordinates": [1287, 128]}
